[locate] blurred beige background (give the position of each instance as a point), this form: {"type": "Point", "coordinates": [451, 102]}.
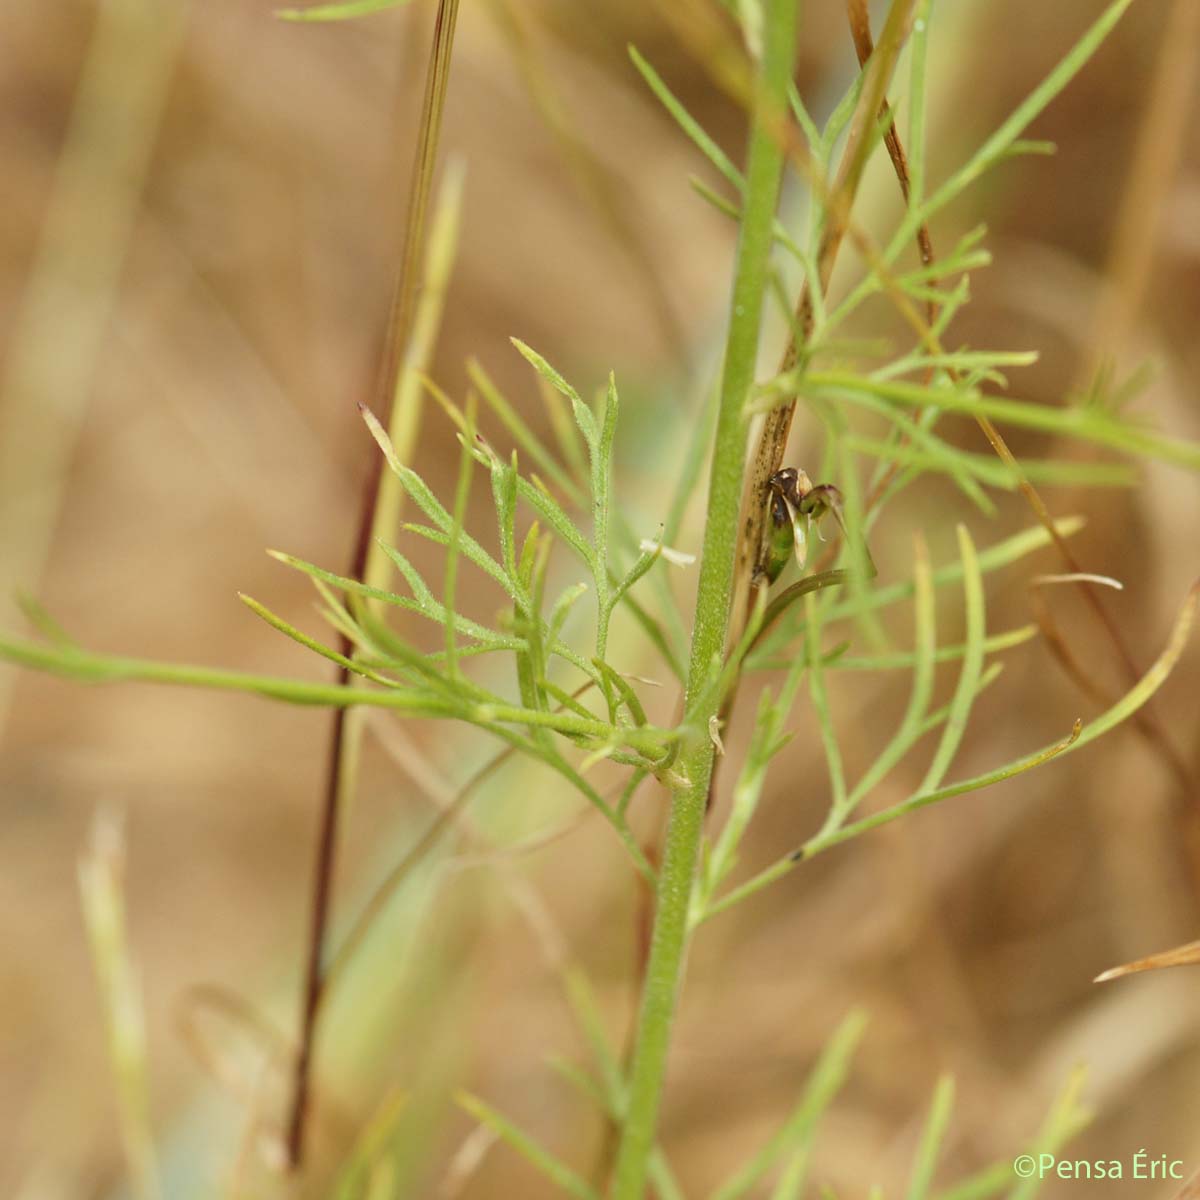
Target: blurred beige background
{"type": "Point", "coordinates": [195, 264]}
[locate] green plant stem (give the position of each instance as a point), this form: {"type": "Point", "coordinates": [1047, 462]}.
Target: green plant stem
{"type": "Point", "coordinates": [87, 667]}
{"type": "Point", "coordinates": [713, 603]}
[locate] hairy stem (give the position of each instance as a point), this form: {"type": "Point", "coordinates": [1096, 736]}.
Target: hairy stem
{"type": "Point", "coordinates": [669, 939]}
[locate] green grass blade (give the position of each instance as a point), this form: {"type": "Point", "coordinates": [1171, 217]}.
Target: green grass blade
{"type": "Point", "coordinates": [612, 1100]}
{"type": "Point", "coordinates": [791, 1178]}
{"type": "Point", "coordinates": [991, 1181]}
{"type": "Point", "coordinates": [536, 1155]}
{"type": "Point", "coordinates": [823, 1084]}
{"type": "Point", "coordinates": [371, 1148]}
{"type": "Point", "coordinates": [586, 1010]}
{"type": "Point", "coordinates": [925, 642]}
{"type": "Point", "coordinates": [1066, 1118]}
{"type": "Point", "coordinates": [338, 12]}
{"type": "Point", "coordinates": [934, 1133]}
{"type": "Point", "coordinates": [435, 611]}
{"type": "Point", "coordinates": [964, 360]}
{"type": "Point", "coordinates": [918, 76]}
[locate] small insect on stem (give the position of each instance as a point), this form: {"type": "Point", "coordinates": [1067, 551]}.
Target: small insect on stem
{"type": "Point", "coordinates": [794, 502]}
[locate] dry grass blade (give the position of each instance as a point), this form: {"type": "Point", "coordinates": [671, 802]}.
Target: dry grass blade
{"type": "Point", "coordinates": [1060, 648]}
{"type": "Point", "coordinates": [603, 189]}
{"type": "Point", "coordinates": [864, 46]}
{"type": "Point", "coordinates": [102, 890]}
{"type": "Point", "coordinates": [56, 332]}
{"type": "Point", "coordinates": [1187, 955]}
{"type": "Point", "coordinates": [772, 439]}
{"type": "Point", "coordinates": [1190, 1190]}
{"type": "Point", "coordinates": [1161, 139]}
{"type": "Point", "coordinates": [247, 1057]}
{"type": "Point", "coordinates": [380, 513]}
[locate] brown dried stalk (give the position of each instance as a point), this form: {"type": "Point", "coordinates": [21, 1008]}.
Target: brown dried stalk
{"type": "Point", "coordinates": [777, 424]}
{"type": "Point", "coordinates": [344, 732]}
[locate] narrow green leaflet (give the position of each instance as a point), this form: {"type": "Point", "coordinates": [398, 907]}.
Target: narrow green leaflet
{"type": "Point", "coordinates": [423, 601]}
{"type": "Point", "coordinates": [925, 640]}
{"type": "Point", "coordinates": [310, 643]}
{"type": "Point", "coordinates": [1003, 141]}
{"type": "Point", "coordinates": [522, 434]}
{"type": "Point", "coordinates": [837, 659]}
{"type": "Point", "coordinates": [688, 123]}
{"type": "Point", "coordinates": [504, 496]}
{"type": "Point", "coordinates": [1080, 736]}
{"type": "Point", "coordinates": [1002, 554]}
{"type": "Point", "coordinates": [584, 417]}
{"type": "Point", "coordinates": [462, 494]}
{"type": "Point", "coordinates": [421, 495]}
{"type": "Point", "coordinates": [820, 703]}
{"type": "Point", "coordinates": [972, 666]}
{"type": "Point", "coordinates": [1089, 424]}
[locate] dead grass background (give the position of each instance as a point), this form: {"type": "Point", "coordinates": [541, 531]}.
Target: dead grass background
{"type": "Point", "coordinates": [218, 419]}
